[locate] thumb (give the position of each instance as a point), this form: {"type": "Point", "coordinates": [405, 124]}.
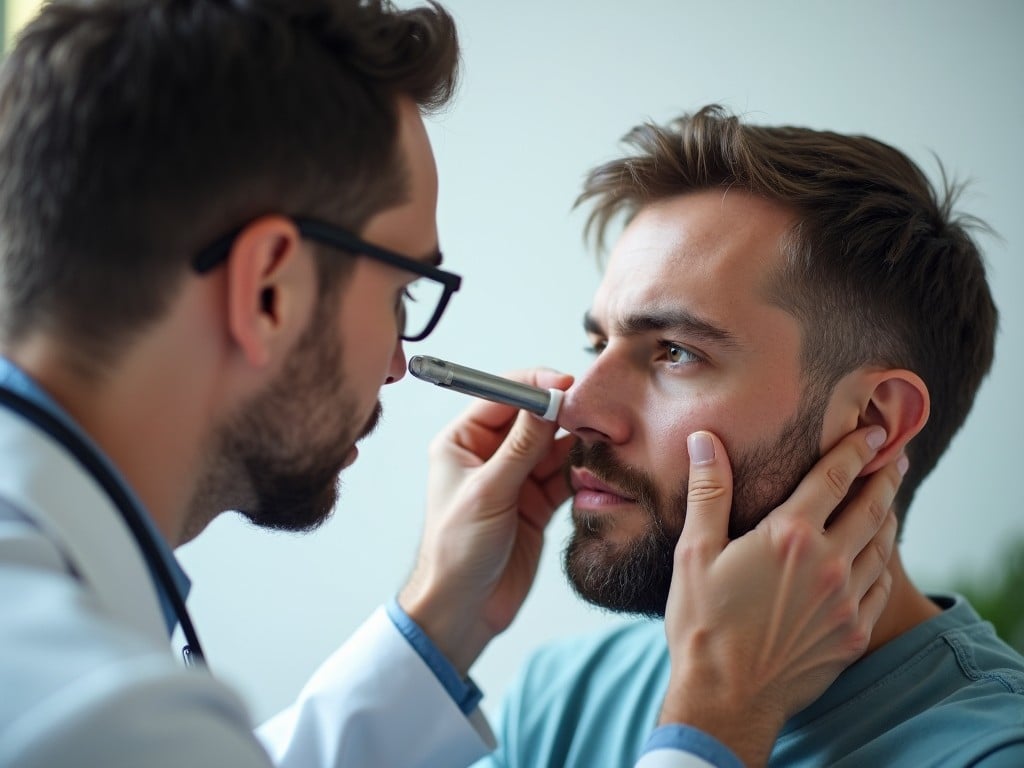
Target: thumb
{"type": "Point", "coordinates": [528, 442]}
{"type": "Point", "coordinates": [709, 492]}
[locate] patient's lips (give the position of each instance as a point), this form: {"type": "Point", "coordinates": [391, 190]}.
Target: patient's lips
{"type": "Point", "coordinates": [592, 493]}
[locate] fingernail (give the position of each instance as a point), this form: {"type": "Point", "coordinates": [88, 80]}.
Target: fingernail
{"type": "Point", "coordinates": [902, 465]}
{"type": "Point", "coordinates": [701, 447]}
{"type": "Point", "coordinates": [875, 439]}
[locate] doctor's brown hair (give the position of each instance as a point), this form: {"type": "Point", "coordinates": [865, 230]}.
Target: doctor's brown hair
{"type": "Point", "coordinates": [879, 269]}
{"type": "Point", "coordinates": [134, 132]}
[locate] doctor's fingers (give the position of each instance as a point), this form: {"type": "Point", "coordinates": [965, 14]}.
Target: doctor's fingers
{"type": "Point", "coordinates": [540, 494]}
{"type": "Point", "coordinates": [551, 475]}
{"type": "Point", "coordinates": [825, 487]}
{"type": "Point", "coordinates": [528, 443]}
{"type": "Point", "coordinates": [867, 514]}
{"type": "Point", "coordinates": [872, 564]}
{"type": "Point", "coordinates": [498, 417]}
{"type": "Point", "coordinates": [857, 619]}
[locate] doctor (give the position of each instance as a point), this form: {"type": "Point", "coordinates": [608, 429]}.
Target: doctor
{"type": "Point", "coordinates": [217, 225]}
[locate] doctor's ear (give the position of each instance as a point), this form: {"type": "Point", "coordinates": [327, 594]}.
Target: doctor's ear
{"type": "Point", "coordinates": [265, 293]}
{"type": "Point", "coordinates": [897, 400]}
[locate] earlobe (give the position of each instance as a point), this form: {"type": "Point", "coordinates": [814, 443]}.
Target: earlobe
{"type": "Point", "coordinates": [257, 300]}
{"type": "Point", "coordinates": [899, 402]}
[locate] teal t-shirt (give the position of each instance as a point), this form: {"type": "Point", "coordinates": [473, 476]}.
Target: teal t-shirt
{"type": "Point", "coordinates": [946, 693]}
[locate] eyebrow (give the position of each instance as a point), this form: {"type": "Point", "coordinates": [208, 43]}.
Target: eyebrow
{"type": "Point", "coordinates": [679, 320]}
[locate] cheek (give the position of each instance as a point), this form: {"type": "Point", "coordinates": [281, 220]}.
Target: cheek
{"type": "Point", "coordinates": [840, 420]}
{"type": "Point", "coordinates": [668, 438]}
{"type": "Point", "coordinates": [735, 422]}
{"type": "Point", "coordinates": [669, 423]}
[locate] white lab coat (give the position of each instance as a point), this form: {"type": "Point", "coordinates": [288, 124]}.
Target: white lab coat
{"type": "Point", "coordinates": [87, 676]}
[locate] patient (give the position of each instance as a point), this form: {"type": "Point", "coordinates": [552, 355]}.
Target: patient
{"type": "Point", "coordinates": [779, 287]}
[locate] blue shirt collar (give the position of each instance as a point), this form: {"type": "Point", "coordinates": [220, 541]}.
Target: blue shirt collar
{"type": "Point", "coordinates": [19, 382]}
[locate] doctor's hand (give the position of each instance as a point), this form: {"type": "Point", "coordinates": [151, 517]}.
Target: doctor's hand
{"type": "Point", "coordinates": [760, 626]}
{"type": "Point", "coordinates": [496, 477]}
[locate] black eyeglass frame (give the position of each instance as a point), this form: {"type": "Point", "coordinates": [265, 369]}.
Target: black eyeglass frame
{"type": "Point", "coordinates": [217, 252]}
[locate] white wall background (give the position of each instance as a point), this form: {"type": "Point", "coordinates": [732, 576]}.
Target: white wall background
{"type": "Point", "coordinates": [549, 87]}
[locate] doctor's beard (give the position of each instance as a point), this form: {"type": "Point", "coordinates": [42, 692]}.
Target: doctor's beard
{"type": "Point", "coordinates": [278, 459]}
{"type": "Point", "coordinates": [635, 577]}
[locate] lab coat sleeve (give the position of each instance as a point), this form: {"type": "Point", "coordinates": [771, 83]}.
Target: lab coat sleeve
{"type": "Point", "coordinates": [79, 689]}
{"type": "Point", "coordinates": [376, 702]}
{"type": "Point", "coordinates": [139, 712]}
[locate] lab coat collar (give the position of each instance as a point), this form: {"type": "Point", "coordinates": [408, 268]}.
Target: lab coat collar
{"type": "Point", "coordinates": [40, 479]}
{"type": "Point", "coordinates": [18, 381]}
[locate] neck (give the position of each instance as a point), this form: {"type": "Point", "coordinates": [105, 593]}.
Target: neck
{"type": "Point", "coordinates": [149, 415]}
{"type": "Point", "coordinates": [907, 607]}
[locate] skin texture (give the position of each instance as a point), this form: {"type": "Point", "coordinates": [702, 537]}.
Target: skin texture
{"type": "Point", "coordinates": [282, 452]}
{"type": "Point", "coordinates": [729, 362]}
{"type": "Point", "coordinates": [748, 653]}
{"type": "Point", "coordinates": [190, 448]}
{"type": "Point", "coordinates": [635, 574]}
{"type": "Point", "coordinates": [704, 255]}
{"type": "Point", "coordinates": [685, 341]}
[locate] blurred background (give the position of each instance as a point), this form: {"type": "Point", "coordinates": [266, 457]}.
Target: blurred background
{"type": "Point", "coordinates": [549, 86]}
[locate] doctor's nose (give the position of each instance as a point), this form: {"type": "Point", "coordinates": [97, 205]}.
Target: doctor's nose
{"type": "Point", "coordinates": [396, 368]}
{"type": "Point", "coordinates": [595, 407]}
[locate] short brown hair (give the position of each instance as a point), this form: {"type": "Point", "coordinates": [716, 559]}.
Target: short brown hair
{"type": "Point", "coordinates": [133, 132]}
{"type": "Point", "coordinates": [879, 269]}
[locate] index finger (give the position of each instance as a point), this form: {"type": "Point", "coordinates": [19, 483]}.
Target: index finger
{"type": "Point", "coordinates": [828, 482]}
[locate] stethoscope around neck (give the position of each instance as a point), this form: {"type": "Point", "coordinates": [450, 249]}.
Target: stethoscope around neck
{"type": "Point", "coordinates": [94, 466]}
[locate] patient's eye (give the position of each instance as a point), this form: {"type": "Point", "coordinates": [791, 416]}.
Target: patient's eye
{"type": "Point", "coordinates": [677, 353]}
{"type": "Point", "coordinates": [596, 347]}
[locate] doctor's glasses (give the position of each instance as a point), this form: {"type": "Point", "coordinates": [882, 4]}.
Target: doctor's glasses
{"type": "Point", "coordinates": [423, 301]}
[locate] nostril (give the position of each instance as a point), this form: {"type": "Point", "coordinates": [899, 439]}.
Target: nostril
{"type": "Point", "coordinates": [590, 434]}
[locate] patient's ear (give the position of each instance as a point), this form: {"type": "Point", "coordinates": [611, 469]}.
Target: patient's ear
{"type": "Point", "coordinates": [897, 400]}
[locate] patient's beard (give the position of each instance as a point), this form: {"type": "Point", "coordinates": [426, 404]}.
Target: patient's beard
{"type": "Point", "coordinates": [635, 577]}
